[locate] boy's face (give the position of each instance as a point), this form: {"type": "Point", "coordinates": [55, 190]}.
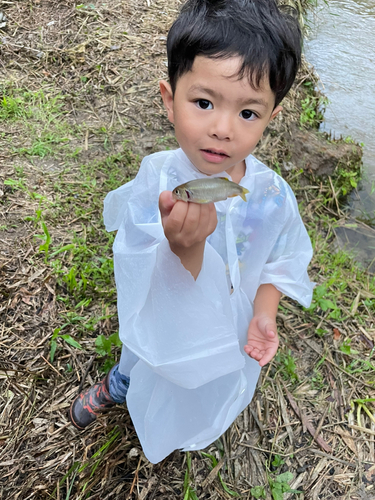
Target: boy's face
{"type": "Point", "coordinates": [218, 118]}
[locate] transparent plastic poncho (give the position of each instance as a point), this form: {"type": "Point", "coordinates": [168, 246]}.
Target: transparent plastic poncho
{"type": "Point", "coordinates": [183, 339]}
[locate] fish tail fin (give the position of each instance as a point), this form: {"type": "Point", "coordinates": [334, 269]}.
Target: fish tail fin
{"type": "Point", "coordinates": [244, 191]}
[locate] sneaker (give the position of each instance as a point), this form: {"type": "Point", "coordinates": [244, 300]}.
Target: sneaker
{"type": "Point", "coordinates": [89, 403]}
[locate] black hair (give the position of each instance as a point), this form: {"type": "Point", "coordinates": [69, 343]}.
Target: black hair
{"type": "Point", "coordinates": [265, 36]}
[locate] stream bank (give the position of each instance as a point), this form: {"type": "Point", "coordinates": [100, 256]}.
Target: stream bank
{"type": "Point", "coordinates": [339, 46]}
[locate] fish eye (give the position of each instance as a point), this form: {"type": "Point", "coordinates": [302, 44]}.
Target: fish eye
{"type": "Point", "coordinates": [177, 191]}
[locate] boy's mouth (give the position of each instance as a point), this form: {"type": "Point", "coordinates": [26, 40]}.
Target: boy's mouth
{"type": "Point", "coordinates": [215, 152]}
{"type": "Point", "coordinates": [214, 155]}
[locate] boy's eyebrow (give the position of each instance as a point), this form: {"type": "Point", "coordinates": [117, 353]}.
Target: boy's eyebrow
{"type": "Point", "coordinates": [213, 93]}
{"type": "Point", "coordinates": [251, 101]}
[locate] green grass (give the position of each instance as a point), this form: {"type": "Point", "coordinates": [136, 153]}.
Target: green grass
{"type": "Point", "coordinates": [313, 105]}
{"type": "Point", "coordinates": [278, 482]}
{"type": "Point", "coordinates": [80, 257]}
{"type": "Point", "coordinates": [17, 104]}
{"type": "Point", "coordinates": [286, 365]}
{"type": "Point", "coordinates": [189, 492]}
{"type": "Point", "coordinates": [73, 480]}
{"type": "Point", "coordinates": [39, 120]}
{"type": "Point", "coordinates": [84, 266]}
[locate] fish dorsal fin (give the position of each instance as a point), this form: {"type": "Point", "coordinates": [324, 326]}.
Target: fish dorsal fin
{"type": "Point", "coordinates": [224, 178]}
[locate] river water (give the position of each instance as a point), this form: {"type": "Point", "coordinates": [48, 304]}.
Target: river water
{"type": "Point", "coordinates": [341, 47]}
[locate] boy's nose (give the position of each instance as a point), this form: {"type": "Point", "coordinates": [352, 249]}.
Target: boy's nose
{"type": "Point", "coordinates": [222, 128]}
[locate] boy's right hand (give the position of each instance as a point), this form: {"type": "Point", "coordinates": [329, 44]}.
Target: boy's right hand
{"type": "Point", "coordinates": [186, 227]}
{"type": "Point", "coordinates": [186, 224]}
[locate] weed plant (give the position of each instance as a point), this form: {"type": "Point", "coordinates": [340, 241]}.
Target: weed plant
{"type": "Point", "coordinates": [80, 258]}
{"type": "Point", "coordinates": [38, 119]}
{"type": "Point", "coordinates": [84, 267]}
{"type": "Point", "coordinates": [313, 105]}
{"type": "Point", "coordinates": [277, 482]}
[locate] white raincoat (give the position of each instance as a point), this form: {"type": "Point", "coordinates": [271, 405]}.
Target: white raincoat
{"type": "Point", "coordinates": [183, 339]}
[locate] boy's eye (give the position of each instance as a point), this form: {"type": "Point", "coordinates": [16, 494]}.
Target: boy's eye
{"type": "Point", "coordinates": [204, 104]}
{"type": "Point", "coordinates": [246, 114]}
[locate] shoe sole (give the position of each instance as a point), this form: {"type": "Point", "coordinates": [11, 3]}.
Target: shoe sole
{"type": "Point", "coordinates": [71, 418]}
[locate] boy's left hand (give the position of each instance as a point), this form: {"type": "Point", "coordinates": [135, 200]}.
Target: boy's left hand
{"type": "Point", "coordinates": [262, 339]}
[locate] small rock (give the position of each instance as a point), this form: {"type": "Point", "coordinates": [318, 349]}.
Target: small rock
{"type": "Point", "coordinates": [302, 469]}
{"type": "Point", "coordinates": [288, 166]}
{"type": "Point", "coordinates": [3, 20]}
{"type": "Point", "coordinates": [134, 452]}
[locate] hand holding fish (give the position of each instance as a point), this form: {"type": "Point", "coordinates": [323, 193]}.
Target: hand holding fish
{"type": "Point", "coordinates": [186, 227]}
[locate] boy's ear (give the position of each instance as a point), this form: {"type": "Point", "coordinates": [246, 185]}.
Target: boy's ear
{"type": "Point", "coordinates": [275, 112]}
{"type": "Point", "coordinates": [167, 96]}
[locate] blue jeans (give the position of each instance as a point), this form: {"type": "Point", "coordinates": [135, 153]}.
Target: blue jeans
{"type": "Point", "coordinates": [118, 385]}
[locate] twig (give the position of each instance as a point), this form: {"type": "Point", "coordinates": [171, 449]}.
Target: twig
{"type": "Point", "coordinates": [337, 366]}
{"type": "Point", "coordinates": [135, 478]}
{"type": "Point", "coordinates": [53, 368]}
{"type": "Point", "coordinates": [280, 454]}
{"type": "Point", "coordinates": [318, 429]}
{"type": "Point", "coordinates": [320, 441]}
{"type": "Point", "coordinates": [285, 414]}
{"type": "Point", "coordinates": [349, 464]}
{"type": "Point", "coordinates": [88, 368]}
{"type": "Point", "coordinates": [211, 476]}
{"type": "Point", "coordinates": [335, 196]}
{"type": "Point", "coordinates": [362, 429]}
{"type": "Point", "coordinates": [255, 416]}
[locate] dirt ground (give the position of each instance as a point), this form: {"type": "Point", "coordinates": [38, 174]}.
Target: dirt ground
{"type": "Point", "coordinates": [80, 89]}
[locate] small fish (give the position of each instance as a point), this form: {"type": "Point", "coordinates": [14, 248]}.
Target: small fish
{"type": "Point", "coordinates": [208, 190]}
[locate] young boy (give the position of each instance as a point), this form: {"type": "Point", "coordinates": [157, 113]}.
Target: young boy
{"type": "Point", "coordinates": [199, 285]}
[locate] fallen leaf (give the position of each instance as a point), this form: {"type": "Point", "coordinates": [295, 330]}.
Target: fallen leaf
{"type": "Point", "coordinates": [348, 440]}
{"type": "Point", "coordinates": [370, 475]}
{"type": "Point", "coordinates": [336, 334]}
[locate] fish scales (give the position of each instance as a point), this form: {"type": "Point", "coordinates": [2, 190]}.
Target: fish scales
{"type": "Point", "coordinates": [208, 190]}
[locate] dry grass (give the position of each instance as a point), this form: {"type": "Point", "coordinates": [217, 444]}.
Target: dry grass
{"type": "Point", "coordinates": [105, 60]}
